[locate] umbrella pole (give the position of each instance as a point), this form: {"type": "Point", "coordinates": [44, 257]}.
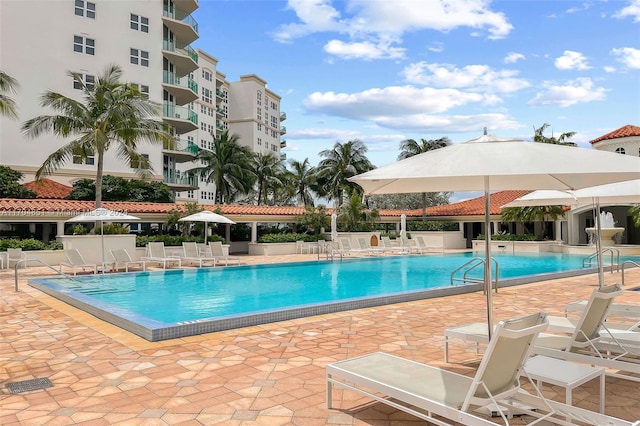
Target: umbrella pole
{"type": "Point", "coordinates": [596, 201]}
{"type": "Point", "coordinates": [206, 233]}
{"type": "Point", "coordinates": [102, 242]}
{"type": "Point", "coordinates": [487, 255]}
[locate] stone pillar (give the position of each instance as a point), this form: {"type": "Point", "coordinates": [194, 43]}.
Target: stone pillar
{"type": "Point", "coordinates": [227, 233]}
{"type": "Point", "coordinates": [558, 230]}
{"type": "Point", "coordinates": [254, 232]}
{"type": "Point", "coordinates": [59, 228]}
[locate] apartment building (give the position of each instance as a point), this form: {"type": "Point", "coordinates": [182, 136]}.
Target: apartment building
{"type": "Point", "coordinates": [41, 40]}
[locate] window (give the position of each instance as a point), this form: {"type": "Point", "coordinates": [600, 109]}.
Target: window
{"type": "Point", "coordinates": [259, 142]}
{"type": "Point", "coordinates": [266, 102]}
{"type": "Point", "coordinates": [139, 23]}
{"type": "Point", "coordinates": [189, 194]}
{"type": "Point", "coordinates": [85, 8]}
{"type": "Point", "coordinates": [139, 57]}
{"type": "Point", "coordinates": [203, 126]}
{"type": "Point", "coordinates": [207, 75]}
{"type": "Point", "coordinates": [142, 88]}
{"type": "Point", "coordinates": [88, 80]}
{"type": "Point", "coordinates": [274, 106]}
{"type": "Point", "coordinates": [141, 163]}
{"type": "Point", "coordinates": [259, 115]}
{"type": "Point", "coordinates": [259, 98]}
{"type": "Point", "coordinates": [259, 127]}
{"type": "Point", "coordinates": [207, 95]}
{"type": "Point", "coordinates": [84, 45]}
{"type": "Point", "coordinates": [81, 156]}
{"type": "Point", "coordinates": [620, 151]}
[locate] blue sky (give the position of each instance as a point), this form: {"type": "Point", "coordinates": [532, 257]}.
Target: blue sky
{"type": "Point", "coordinates": [384, 71]}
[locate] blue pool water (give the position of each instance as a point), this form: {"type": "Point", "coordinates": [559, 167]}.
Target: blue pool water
{"type": "Point", "coordinates": [195, 296]}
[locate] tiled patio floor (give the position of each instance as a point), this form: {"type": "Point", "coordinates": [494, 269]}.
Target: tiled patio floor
{"type": "Point", "coordinates": [272, 374]}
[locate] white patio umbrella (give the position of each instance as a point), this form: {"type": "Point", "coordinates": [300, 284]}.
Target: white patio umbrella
{"type": "Point", "coordinates": [101, 215]}
{"type": "Point", "coordinates": [488, 163]}
{"type": "Point", "coordinates": [403, 225]}
{"type": "Point", "coordinates": [207, 217]}
{"type": "Point", "coordinates": [334, 227]}
{"type": "Point", "coordinates": [612, 193]}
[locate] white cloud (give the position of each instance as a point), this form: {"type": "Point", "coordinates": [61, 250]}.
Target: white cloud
{"type": "Point", "coordinates": [513, 57]}
{"type": "Point", "coordinates": [321, 133]}
{"type": "Point", "coordinates": [581, 90]}
{"type": "Point", "coordinates": [426, 123]}
{"type": "Point", "coordinates": [392, 101]}
{"type": "Point", "coordinates": [365, 20]}
{"type": "Point", "coordinates": [583, 6]}
{"type": "Point", "coordinates": [571, 60]}
{"type": "Point", "coordinates": [632, 10]}
{"type": "Point", "coordinates": [629, 56]}
{"type": "Point", "coordinates": [436, 46]}
{"type": "Point", "coordinates": [363, 50]}
{"type": "Point", "coordinates": [609, 69]}
{"type": "Point", "coordinates": [475, 77]}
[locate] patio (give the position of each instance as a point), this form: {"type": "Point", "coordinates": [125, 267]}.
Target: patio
{"type": "Point", "coordinates": [273, 374]}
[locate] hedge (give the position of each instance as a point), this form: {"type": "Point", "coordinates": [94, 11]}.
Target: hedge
{"type": "Point", "coordinates": [29, 244]}
{"type": "Point", "coordinates": [172, 240]}
{"type": "Point", "coordinates": [289, 238]}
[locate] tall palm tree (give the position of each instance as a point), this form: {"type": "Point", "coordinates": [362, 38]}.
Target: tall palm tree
{"type": "Point", "coordinates": [341, 163]}
{"type": "Point", "coordinates": [538, 136]}
{"type": "Point", "coordinates": [531, 214]}
{"type": "Point", "coordinates": [112, 114]}
{"type": "Point", "coordinates": [411, 147]}
{"type": "Point", "coordinates": [8, 106]}
{"type": "Point", "coordinates": [268, 169]}
{"type": "Point", "coordinates": [304, 179]}
{"type": "Point", "coordinates": [228, 166]}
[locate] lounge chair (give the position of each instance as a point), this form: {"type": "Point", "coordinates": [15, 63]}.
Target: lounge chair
{"type": "Point", "coordinates": [347, 248]}
{"type": "Point", "coordinates": [365, 246]}
{"type": "Point", "coordinates": [432, 393]}
{"type": "Point", "coordinates": [156, 254]}
{"type": "Point", "coordinates": [192, 255]}
{"type": "Point", "coordinates": [622, 316]}
{"type": "Point", "coordinates": [410, 246]}
{"type": "Point", "coordinates": [122, 258]}
{"type": "Point", "coordinates": [218, 253]}
{"type": "Point", "coordinates": [302, 247]}
{"type": "Point", "coordinates": [76, 261]}
{"type": "Point", "coordinates": [389, 246]}
{"type": "Point", "coordinates": [15, 255]}
{"type": "Point", "coordinates": [423, 247]}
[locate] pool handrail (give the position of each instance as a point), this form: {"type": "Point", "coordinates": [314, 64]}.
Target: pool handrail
{"type": "Point", "coordinates": [474, 263]}
{"type": "Point", "coordinates": [631, 262]}
{"type": "Point", "coordinates": [25, 261]}
{"type": "Point", "coordinates": [613, 253]}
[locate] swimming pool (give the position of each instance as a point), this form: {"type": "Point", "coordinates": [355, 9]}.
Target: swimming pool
{"type": "Point", "coordinates": [176, 303]}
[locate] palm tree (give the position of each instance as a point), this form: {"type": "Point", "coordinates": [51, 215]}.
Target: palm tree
{"type": "Point", "coordinates": [303, 175]}
{"type": "Point", "coordinates": [531, 214]}
{"type": "Point", "coordinates": [538, 136]}
{"type": "Point", "coordinates": [112, 112]}
{"type": "Point", "coordinates": [268, 169]}
{"type": "Point", "coordinates": [8, 107]}
{"type": "Point", "coordinates": [228, 166]}
{"type": "Point", "coordinates": [411, 147]}
{"type": "Point", "coordinates": [341, 163]}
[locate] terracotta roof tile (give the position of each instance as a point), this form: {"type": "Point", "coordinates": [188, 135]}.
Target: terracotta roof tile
{"type": "Point", "coordinates": [475, 206]}
{"type": "Point", "coordinates": [48, 188]}
{"type": "Point", "coordinates": [622, 132]}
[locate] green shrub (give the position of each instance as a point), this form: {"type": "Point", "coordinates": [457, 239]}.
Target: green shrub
{"type": "Point", "coordinates": [511, 237]}
{"type": "Point", "coordinates": [110, 229]}
{"type": "Point", "coordinates": [289, 238]}
{"type": "Point", "coordinates": [79, 230]}
{"type": "Point", "coordinates": [29, 244]}
{"type": "Point", "coordinates": [172, 240]}
{"type": "Point", "coordinates": [432, 225]}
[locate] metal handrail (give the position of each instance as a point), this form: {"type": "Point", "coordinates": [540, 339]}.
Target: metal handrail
{"type": "Point", "coordinates": [631, 262]}
{"type": "Point", "coordinates": [474, 263]}
{"type": "Point", "coordinates": [588, 261]}
{"type": "Point", "coordinates": [331, 250]}
{"type": "Point", "coordinates": [20, 262]}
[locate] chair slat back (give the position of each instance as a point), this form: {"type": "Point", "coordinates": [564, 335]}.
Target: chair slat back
{"type": "Point", "coordinates": [216, 248]}
{"type": "Point", "coordinates": [190, 249]}
{"type": "Point", "coordinates": [74, 257]}
{"type": "Point", "coordinates": [121, 255]}
{"type": "Point", "coordinates": [595, 313]}
{"type": "Point", "coordinates": [156, 249]}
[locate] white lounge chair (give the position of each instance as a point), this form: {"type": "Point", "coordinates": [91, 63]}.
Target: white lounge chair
{"type": "Point", "coordinates": [423, 247]}
{"type": "Point", "coordinates": [366, 247]}
{"type": "Point", "coordinates": [122, 259]}
{"type": "Point", "coordinates": [76, 261]}
{"type": "Point", "coordinates": [390, 246]}
{"type": "Point", "coordinates": [156, 254]}
{"type": "Point", "coordinates": [15, 255]}
{"type": "Point", "coordinates": [347, 248]}
{"type": "Point", "coordinates": [432, 393]}
{"type": "Point", "coordinates": [218, 252]}
{"type": "Point", "coordinates": [192, 255]}
{"type": "Point", "coordinates": [303, 246]}
{"type": "Point", "coordinates": [410, 246]}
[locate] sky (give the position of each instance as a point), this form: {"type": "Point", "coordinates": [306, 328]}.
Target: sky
{"type": "Point", "coordinates": [383, 71]}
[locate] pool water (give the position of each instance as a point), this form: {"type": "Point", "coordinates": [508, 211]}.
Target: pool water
{"type": "Point", "coordinates": [167, 298]}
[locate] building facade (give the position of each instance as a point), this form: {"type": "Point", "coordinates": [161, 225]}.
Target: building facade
{"type": "Point", "coordinates": [42, 40]}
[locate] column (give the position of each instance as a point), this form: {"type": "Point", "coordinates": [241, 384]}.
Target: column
{"type": "Point", "coordinates": [254, 232]}
{"type": "Point", "coordinates": [59, 228]}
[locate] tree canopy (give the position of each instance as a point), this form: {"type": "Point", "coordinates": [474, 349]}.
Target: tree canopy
{"type": "Point", "coordinates": [10, 186]}
{"type": "Point", "coordinates": [115, 188]}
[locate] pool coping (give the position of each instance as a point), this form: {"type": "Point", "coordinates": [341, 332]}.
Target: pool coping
{"type": "Point", "coordinates": [153, 331]}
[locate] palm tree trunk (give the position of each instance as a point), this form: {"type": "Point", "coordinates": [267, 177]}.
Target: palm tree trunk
{"type": "Point", "coordinates": [99, 180]}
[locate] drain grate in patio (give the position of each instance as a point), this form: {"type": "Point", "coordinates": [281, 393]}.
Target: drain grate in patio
{"type": "Point", "coordinates": [29, 385]}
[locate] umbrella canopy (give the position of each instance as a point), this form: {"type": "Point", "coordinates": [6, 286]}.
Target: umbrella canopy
{"type": "Point", "coordinates": [490, 163]}
{"type": "Point", "coordinates": [206, 216]}
{"type": "Point", "coordinates": [101, 215]}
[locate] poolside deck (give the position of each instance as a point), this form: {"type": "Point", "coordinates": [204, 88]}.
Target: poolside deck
{"type": "Point", "coordinates": [272, 374]}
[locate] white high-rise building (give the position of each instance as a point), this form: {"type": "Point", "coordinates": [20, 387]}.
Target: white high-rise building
{"type": "Point", "coordinates": [41, 40]}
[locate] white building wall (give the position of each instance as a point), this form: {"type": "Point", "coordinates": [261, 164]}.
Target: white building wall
{"type": "Point", "coordinates": [630, 145]}
{"type": "Point", "coordinates": [36, 48]}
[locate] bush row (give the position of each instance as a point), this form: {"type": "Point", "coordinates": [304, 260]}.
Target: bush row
{"type": "Point", "coordinates": [289, 238]}
{"type": "Point", "coordinates": [511, 237]}
{"type": "Point", "coordinates": [172, 240]}
{"type": "Point", "coordinates": [29, 244]}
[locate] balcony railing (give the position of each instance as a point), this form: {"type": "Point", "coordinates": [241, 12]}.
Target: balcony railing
{"type": "Point", "coordinates": [283, 116]}
{"type": "Point", "coordinates": [179, 112]}
{"type": "Point", "coordinates": [283, 144]}
{"type": "Point", "coordinates": [174, 177]}
{"type": "Point", "coordinates": [220, 111]}
{"type": "Point", "coordinates": [173, 46]}
{"type": "Point", "coordinates": [180, 15]}
{"type": "Point", "coordinates": [221, 94]}
{"type": "Point", "coordinates": [283, 130]}
{"type": "Point", "coordinates": [181, 145]}
{"type": "Point", "coordinates": [283, 155]}
{"type": "Point", "coordinates": [169, 77]}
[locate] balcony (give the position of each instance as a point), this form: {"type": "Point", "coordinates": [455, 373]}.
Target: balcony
{"type": "Point", "coordinates": [183, 26]}
{"type": "Point", "coordinates": [181, 55]}
{"type": "Point", "coordinates": [180, 181]}
{"type": "Point", "coordinates": [183, 89]}
{"type": "Point", "coordinates": [221, 127]}
{"type": "Point", "coordinates": [181, 150]}
{"type": "Point", "coordinates": [220, 94]}
{"type": "Point", "coordinates": [283, 155]}
{"type": "Point", "coordinates": [283, 144]}
{"type": "Point", "coordinates": [183, 119]}
{"type": "Point", "coordinates": [283, 130]}
{"type": "Point", "coordinates": [189, 6]}
{"type": "Point", "coordinates": [283, 116]}
{"type": "Point", "coordinates": [221, 112]}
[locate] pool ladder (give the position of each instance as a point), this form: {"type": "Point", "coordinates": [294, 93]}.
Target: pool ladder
{"type": "Point", "coordinates": [472, 265]}
{"type": "Point", "coordinates": [25, 261]}
{"type": "Point", "coordinates": [628, 262]}
{"type": "Point", "coordinates": [330, 251]}
{"type": "Point", "coordinates": [614, 255]}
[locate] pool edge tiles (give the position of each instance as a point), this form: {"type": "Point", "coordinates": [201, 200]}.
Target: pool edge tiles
{"type": "Point", "coordinates": [154, 331]}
